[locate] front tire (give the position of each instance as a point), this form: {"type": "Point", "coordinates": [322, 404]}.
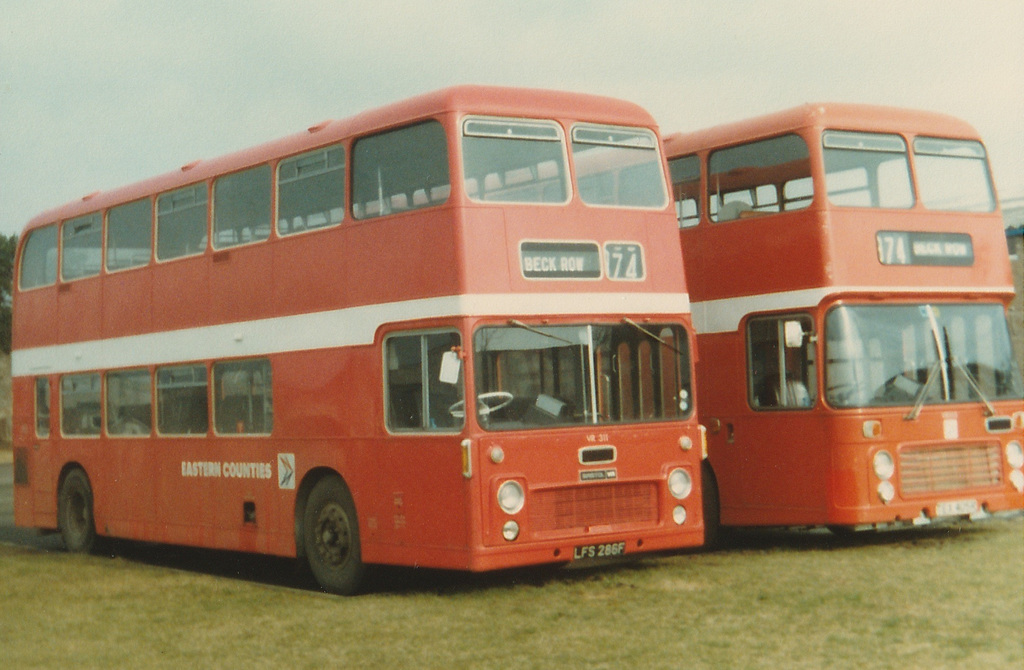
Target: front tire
{"type": "Point", "coordinates": [330, 536]}
{"type": "Point", "coordinates": [75, 513]}
{"type": "Point", "coordinates": [712, 509]}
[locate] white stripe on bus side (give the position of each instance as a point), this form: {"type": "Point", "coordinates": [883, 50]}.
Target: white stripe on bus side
{"type": "Point", "coordinates": [320, 330]}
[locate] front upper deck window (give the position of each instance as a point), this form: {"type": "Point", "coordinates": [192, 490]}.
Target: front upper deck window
{"type": "Point", "coordinates": [953, 175]}
{"type": "Point", "coordinates": [400, 170]}
{"type": "Point", "coordinates": [618, 167]}
{"type": "Point", "coordinates": [514, 160]}
{"type": "Point", "coordinates": [761, 177]}
{"type": "Point", "coordinates": [540, 376]}
{"type": "Point", "coordinates": [867, 170]}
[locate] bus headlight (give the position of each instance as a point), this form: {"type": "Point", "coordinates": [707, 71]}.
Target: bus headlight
{"type": "Point", "coordinates": [1017, 479]}
{"type": "Point", "coordinates": [883, 464]}
{"type": "Point", "coordinates": [510, 530]}
{"type": "Point", "coordinates": [680, 484]}
{"type": "Point", "coordinates": [679, 515]}
{"type": "Point", "coordinates": [511, 497]}
{"type": "Point", "coordinates": [1015, 454]}
{"type": "Point", "coordinates": [886, 491]}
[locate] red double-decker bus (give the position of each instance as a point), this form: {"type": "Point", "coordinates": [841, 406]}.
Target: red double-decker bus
{"type": "Point", "coordinates": [849, 277]}
{"type": "Point", "coordinates": [451, 332]}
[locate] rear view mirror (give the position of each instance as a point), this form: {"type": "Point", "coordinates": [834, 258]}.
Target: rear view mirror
{"type": "Point", "coordinates": [794, 334]}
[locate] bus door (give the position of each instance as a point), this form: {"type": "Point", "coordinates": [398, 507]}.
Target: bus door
{"type": "Point", "coordinates": [780, 451]}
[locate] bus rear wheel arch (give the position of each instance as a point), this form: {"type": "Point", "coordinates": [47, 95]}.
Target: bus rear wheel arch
{"type": "Point", "coordinates": [75, 518]}
{"type": "Point", "coordinates": [330, 537]}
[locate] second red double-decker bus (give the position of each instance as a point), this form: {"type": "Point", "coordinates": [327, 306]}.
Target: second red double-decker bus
{"type": "Point", "coordinates": [451, 332]}
{"type": "Point", "coordinates": [849, 279]}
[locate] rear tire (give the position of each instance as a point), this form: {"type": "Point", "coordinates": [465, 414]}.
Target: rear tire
{"type": "Point", "coordinates": [75, 513]}
{"type": "Point", "coordinates": [330, 536]}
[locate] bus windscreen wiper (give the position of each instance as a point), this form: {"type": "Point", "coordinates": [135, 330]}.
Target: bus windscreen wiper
{"type": "Point", "coordinates": [989, 409]}
{"type": "Point", "coordinates": [923, 391]}
{"type": "Point", "coordinates": [651, 335]}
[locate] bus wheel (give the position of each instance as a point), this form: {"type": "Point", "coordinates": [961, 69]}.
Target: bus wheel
{"type": "Point", "coordinates": [74, 513]}
{"type": "Point", "coordinates": [711, 509]}
{"type": "Point", "coordinates": [330, 534]}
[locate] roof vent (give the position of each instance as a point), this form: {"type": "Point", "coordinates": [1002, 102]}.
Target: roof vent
{"type": "Point", "coordinates": [320, 126]}
{"type": "Point", "coordinates": [189, 166]}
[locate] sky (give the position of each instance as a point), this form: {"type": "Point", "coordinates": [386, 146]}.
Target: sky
{"type": "Point", "coordinates": [97, 94]}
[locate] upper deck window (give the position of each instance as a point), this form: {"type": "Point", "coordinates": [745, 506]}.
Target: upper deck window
{"type": "Point", "coordinates": [867, 170]}
{"type": "Point", "coordinates": [762, 177]}
{"type": "Point", "coordinates": [311, 190]}
{"type": "Point", "coordinates": [953, 175]}
{"type": "Point", "coordinates": [241, 207]}
{"type": "Point", "coordinates": [129, 235]}
{"type": "Point", "coordinates": [618, 167]}
{"type": "Point", "coordinates": [400, 170]}
{"type": "Point", "coordinates": [81, 240]}
{"type": "Point", "coordinates": [39, 258]}
{"type": "Point", "coordinates": [181, 222]}
{"type": "Point", "coordinates": [685, 173]}
{"type": "Point", "coordinates": [514, 160]}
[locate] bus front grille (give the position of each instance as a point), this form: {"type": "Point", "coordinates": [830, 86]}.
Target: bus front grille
{"type": "Point", "coordinates": [582, 507]}
{"type": "Point", "coordinates": [931, 469]}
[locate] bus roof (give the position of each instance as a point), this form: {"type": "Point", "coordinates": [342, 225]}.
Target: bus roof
{"type": "Point", "coordinates": [835, 115]}
{"type": "Point", "coordinates": [474, 99]}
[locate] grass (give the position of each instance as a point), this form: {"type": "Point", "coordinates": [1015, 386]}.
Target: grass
{"type": "Point", "coordinates": [929, 598]}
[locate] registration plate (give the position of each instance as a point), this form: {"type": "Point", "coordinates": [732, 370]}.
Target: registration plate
{"type": "Point", "coordinates": [609, 550]}
{"type": "Point", "coordinates": [956, 507]}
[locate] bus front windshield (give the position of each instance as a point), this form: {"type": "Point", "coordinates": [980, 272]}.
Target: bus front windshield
{"type": "Point", "coordinates": [910, 355]}
{"type": "Point", "coordinates": [531, 376]}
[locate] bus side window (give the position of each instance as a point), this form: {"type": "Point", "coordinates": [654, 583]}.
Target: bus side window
{"type": "Point", "coordinates": [389, 168]}
{"type": "Point", "coordinates": [241, 207]}
{"type": "Point", "coordinates": [42, 407]}
{"type": "Point", "coordinates": [244, 403]}
{"type": "Point", "coordinates": [780, 357]}
{"type": "Point", "coordinates": [81, 242]}
{"type": "Point", "coordinates": [129, 403]}
{"type": "Point", "coordinates": [182, 400]}
{"type": "Point", "coordinates": [80, 404]}
{"type": "Point", "coordinates": [311, 190]}
{"type": "Point", "coordinates": [746, 180]}
{"type": "Point", "coordinates": [420, 394]}
{"type": "Point", "coordinates": [130, 235]}
{"type": "Point", "coordinates": [39, 258]}
{"type": "Point", "coordinates": [685, 173]}
{"type": "Point", "coordinates": [181, 222]}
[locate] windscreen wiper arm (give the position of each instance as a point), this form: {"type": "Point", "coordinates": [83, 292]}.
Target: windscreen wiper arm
{"type": "Point", "coordinates": [923, 391]}
{"type": "Point", "coordinates": [652, 335]}
{"type": "Point", "coordinates": [989, 409]}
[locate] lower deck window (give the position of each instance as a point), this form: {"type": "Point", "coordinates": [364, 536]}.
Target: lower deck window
{"type": "Point", "coordinates": [80, 404]}
{"type": "Point", "coordinates": [423, 382]}
{"type": "Point", "coordinates": [182, 405]}
{"type": "Point", "coordinates": [244, 403]}
{"type": "Point", "coordinates": [780, 357]}
{"type": "Point", "coordinates": [129, 403]}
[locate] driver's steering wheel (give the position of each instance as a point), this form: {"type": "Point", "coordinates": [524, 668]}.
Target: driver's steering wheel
{"type": "Point", "coordinates": [488, 402]}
